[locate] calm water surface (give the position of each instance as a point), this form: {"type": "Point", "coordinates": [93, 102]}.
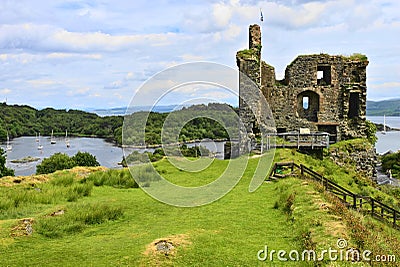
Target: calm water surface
{"type": "Point", "coordinates": [107, 154]}
{"type": "Point", "coordinates": [390, 140]}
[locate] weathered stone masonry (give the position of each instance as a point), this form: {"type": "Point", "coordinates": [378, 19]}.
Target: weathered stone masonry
{"type": "Point", "coordinates": [320, 92]}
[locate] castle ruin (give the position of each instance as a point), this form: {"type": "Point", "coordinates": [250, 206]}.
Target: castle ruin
{"type": "Point", "coordinates": [321, 92]}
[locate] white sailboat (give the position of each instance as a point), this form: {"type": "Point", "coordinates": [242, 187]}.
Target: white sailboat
{"type": "Point", "coordinates": [40, 147]}
{"type": "Point", "coordinates": [384, 125]}
{"type": "Point", "coordinates": [66, 139]}
{"type": "Point", "coordinates": [52, 140]}
{"type": "Point", "coordinates": [8, 146]}
{"type": "Point", "coordinates": [37, 139]}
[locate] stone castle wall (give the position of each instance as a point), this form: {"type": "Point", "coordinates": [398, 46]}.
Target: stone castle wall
{"type": "Point", "coordinates": [320, 92]}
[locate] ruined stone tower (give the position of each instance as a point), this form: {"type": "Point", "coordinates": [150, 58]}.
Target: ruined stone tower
{"type": "Point", "coordinates": [321, 92]}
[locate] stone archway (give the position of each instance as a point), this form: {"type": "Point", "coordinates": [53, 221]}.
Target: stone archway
{"type": "Point", "coordinates": [308, 105]}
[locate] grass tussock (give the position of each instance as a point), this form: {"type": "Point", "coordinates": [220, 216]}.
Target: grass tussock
{"type": "Point", "coordinates": [76, 219]}
{"type": "Point", "coordinates": [141, 175]}
{"type": "Point", "coordinates": [19, 201]}
{"type": "Point", "coordinates": [114, 178]}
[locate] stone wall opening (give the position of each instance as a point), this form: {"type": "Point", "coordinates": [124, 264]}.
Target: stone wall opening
{"type": "Point", "coordinates": [281, 130]}
{"type": "Point", "coordinates": [354, 105]}
{"type": "Point", "coordinates": [331, 129]}
{"type": "Point", "coordinates": [311, 109]}
{"type": "Point", "coordinates": [324, 76]}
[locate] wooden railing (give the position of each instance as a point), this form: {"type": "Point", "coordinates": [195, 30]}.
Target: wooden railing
{"type": "Point", "coordinates": [361, 203]}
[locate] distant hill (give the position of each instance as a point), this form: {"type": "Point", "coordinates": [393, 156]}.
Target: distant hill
{"type": "Point", "coordinates": [121, 111]}
{"type": "Point", "coordinates": [389, 107]}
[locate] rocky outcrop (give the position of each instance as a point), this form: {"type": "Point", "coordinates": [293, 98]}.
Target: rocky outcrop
{"type": "Point", "coordinates": [360, 154]}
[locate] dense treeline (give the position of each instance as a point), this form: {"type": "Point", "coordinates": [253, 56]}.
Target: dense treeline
{"type": "Point", "coordinates": [24, 120]}
{"type": "Point", "coordinates": [193, 123]}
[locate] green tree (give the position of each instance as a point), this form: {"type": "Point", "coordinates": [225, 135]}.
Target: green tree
{"type": "Point", "coordinates": [371, 132]}
{"type": "Point", "coordinates": [85, 159]}
{"type": "Point", "coordinates": [4, 171]}
{"type": "Point", "coordinates": [58, 161]}
{"type": "Point", "coordinates": [392, 162]}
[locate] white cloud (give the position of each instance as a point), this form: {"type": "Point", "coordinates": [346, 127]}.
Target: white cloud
{"type": "Point", "coordinates": [73, 55]}
{"type": "Point", "coordinates": [190, 57]}
{"type": "Point", "coordinates": [49, 38]}
{"type": "Point", "coordinates": [41, 83]}
{"type": "Point", "coordinates": [387, 85]}
{"type": "Point", "coordinates": [84, 91]}
{"type": "Point", "coordinates": [5, 91]}
{"type": "Point", "coordinates": [67, 46]}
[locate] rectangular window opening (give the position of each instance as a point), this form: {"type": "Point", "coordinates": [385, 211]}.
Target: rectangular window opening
{"type": "Point", "coordinates": [354, 105]}
{"type": "Point", "coordinates": [324, 76]}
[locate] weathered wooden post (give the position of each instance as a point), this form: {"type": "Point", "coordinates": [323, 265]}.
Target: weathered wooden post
{"type": "Point", "coordinates": [312, 141]}
{"type": "Point", "coordinates": [298, 140]}
{"type": "Point", "coordinates": [372, 206]}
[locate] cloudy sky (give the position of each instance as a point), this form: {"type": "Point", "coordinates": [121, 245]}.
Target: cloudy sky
{"type": "Point", "coordinates": [82, 54]}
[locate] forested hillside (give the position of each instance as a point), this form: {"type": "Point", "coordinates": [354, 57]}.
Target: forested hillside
{"type": "Point", "coordinates": [389, 107]}
{"type": "Point", "coordinates": [195, 122]}
{"type": "Point", "coordinates": [24, 120]}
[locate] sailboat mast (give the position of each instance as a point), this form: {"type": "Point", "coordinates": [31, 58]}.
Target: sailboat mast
{"type": "Point", "coordinates": [384, 123]}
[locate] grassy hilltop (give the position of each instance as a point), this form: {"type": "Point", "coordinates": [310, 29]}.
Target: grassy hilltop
{"type": "Point", "coordinates": [98, 217]}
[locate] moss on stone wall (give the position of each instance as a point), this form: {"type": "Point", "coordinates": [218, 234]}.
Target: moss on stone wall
{"type": "Point", "coordinates": [357, 57]}
{"type": "Point", "coordinates": [248, 54]}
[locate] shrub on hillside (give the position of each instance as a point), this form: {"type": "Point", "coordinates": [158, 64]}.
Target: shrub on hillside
{"type": "Point", "coordinates": [61, 161]}
{"type": "Point", "coordinates": [4, 171]}
{"type": "Point", "coordinates": [58, 161]}
{"type": "Point", "coordinates": [392, 162]}
{"type": "Point", "coordinates": [85, 159]}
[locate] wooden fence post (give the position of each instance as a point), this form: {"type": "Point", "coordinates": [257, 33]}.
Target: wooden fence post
{"type": "Point", "coordinates": [298, 140]}
{"type": "Point", "coordinates": [372, 206]}
{"type": "Point", "coordinates": [394, 217]}
{"type": "Point", "coordinates": [354, 201]}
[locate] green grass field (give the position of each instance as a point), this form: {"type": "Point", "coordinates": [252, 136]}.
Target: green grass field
{"type": "Point", "coordinates": [106, 221]}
